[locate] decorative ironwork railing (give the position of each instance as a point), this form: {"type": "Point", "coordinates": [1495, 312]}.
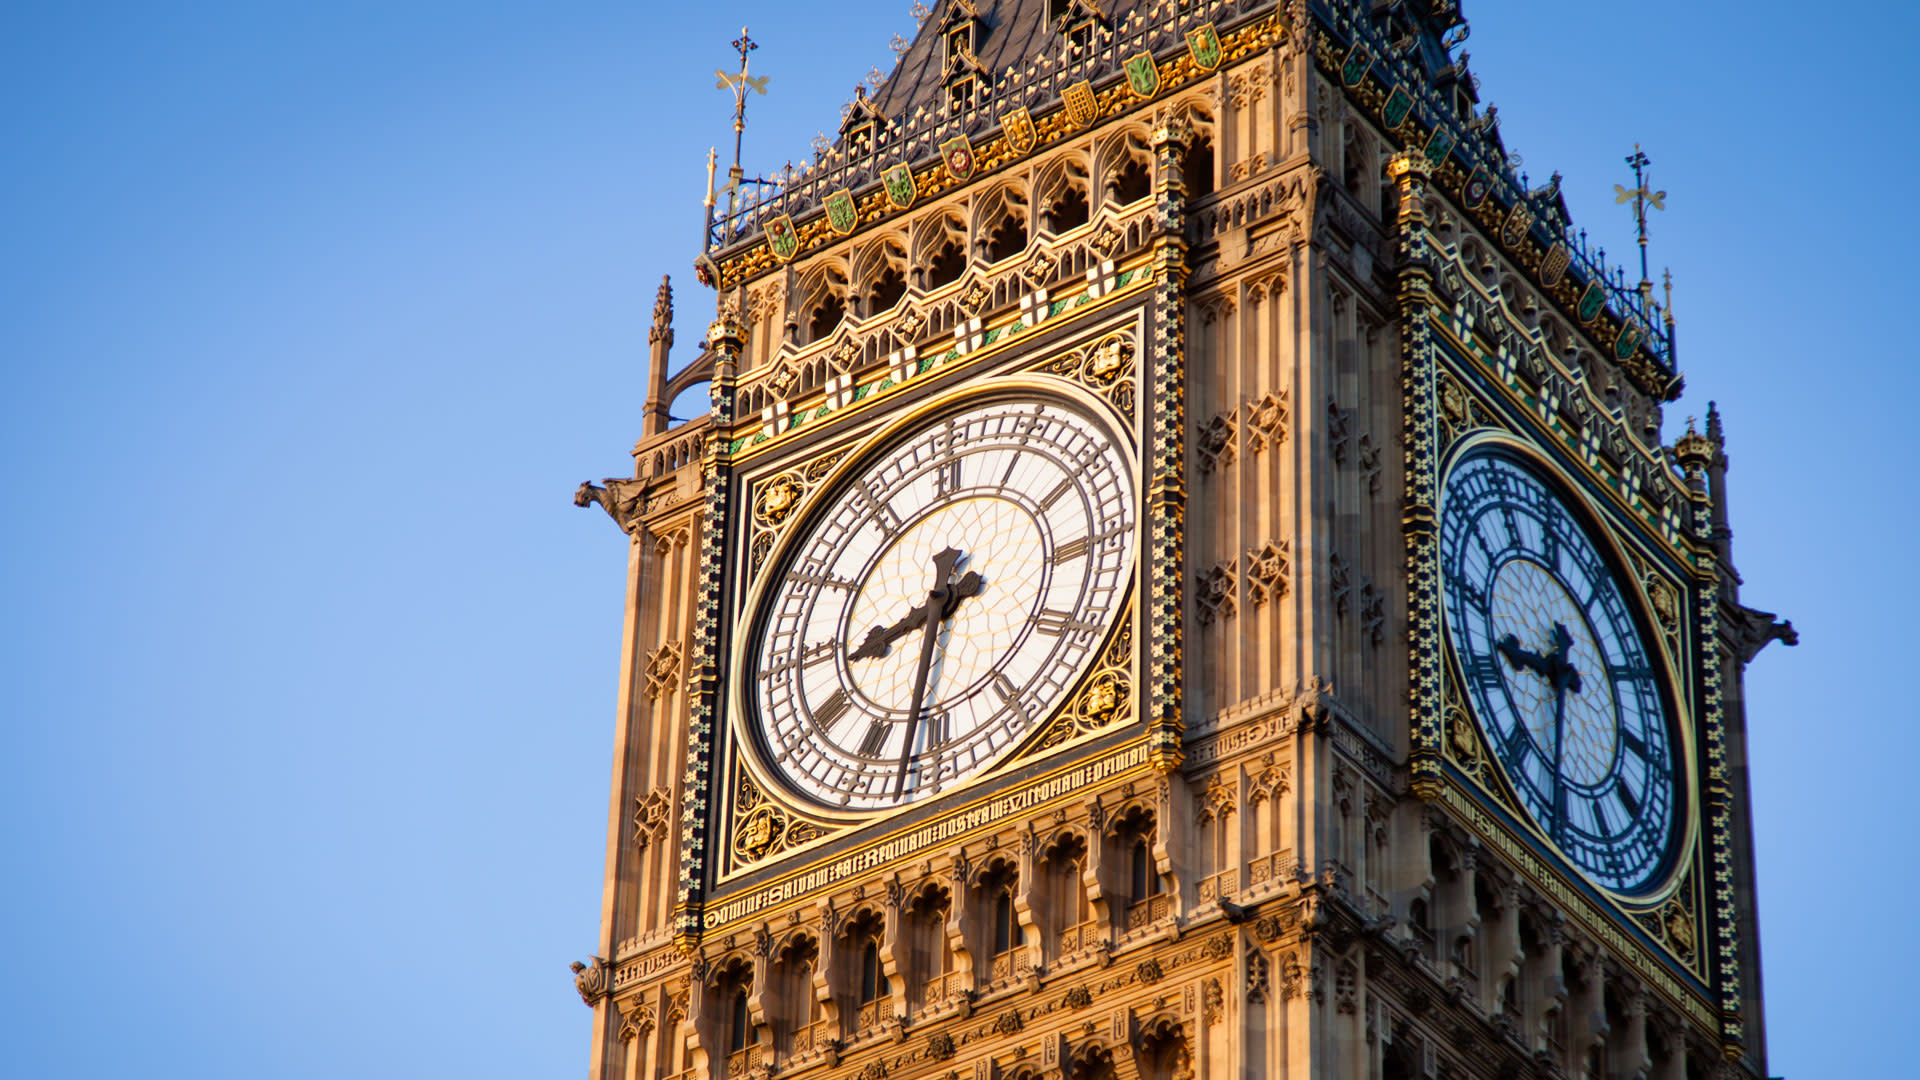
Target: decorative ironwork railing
{"type": "Point", "coordinates": [916, 137]}
{"type": "Point", "coordinates": [1473, 144]}
{"type": "Point", "coordinates": [1160, 27]}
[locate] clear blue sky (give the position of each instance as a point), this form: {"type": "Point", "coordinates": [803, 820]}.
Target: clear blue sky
{"type": "Point", "coordinates": [312, 316]}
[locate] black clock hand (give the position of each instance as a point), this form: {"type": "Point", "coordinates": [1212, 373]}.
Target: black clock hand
{"type": "Point", "coordinates": [874, 645]}
{"type": "Point", "coordinates": [1521, 658]}
{"type": "Point", "coordinates": [942, 599]}
{"type": "Point", "coordinates": [878, 639]}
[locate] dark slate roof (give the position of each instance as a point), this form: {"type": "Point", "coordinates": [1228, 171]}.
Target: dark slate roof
{"type": "Point", "coordinates": [1013, 34]}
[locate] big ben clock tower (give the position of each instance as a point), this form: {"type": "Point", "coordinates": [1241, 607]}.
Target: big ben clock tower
{"type": "Point", "coordinates": [1180, 578]}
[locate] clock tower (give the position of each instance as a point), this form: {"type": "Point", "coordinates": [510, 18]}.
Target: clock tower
{"type": "Point", "coordinates": [1181, 576]}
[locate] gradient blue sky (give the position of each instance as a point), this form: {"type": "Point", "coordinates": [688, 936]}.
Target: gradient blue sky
{"type": "Point", "coordinates": [312, 316]}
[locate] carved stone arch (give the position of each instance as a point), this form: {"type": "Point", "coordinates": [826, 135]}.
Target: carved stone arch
{"type": "Point", "coordinates": [1472, 254]}
{"type": "Point", "coordinates": [939, 250]}
{"type": "Point", "coordinates": [701, 370]}
{"type": "Point", "coordinates": [1135, 816]}
{"type": "Point", "coordinates": [1002, 222]}
{"type": "Point", "coordinates": [1064, 193]}
{"type": "Point", "coordinates": [929, 894]}
{"type": "Point", "coordinates": [1092, 1060]}
{"type": "Point", "coordinates": [1123, 162]}
{"type": "Point", "coordinates": [992, 866]}
{"type": "Point", "coordinates": [880, 272]}
{"type": "Point", "coordinates": [824, 290]}
{"type": "Point", "coordinates": [1163, 1049]}
{"type": "Point", "coordinates": [734, 967]}
{"type": "Point", "coordinates": [798, 944]}
{"type": "Point", "coordinates": [1064, 840]}
{"type": "Point", "coordinates": [1357, 165]}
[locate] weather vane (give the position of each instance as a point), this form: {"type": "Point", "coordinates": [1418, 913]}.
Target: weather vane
{"type": "Point", "coordinates": [1641, 198]}
{"type": "Point", "coordinates": [739, 84]}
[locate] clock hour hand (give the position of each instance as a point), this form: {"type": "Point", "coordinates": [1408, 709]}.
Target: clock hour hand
{"type": "Point", "coordinates": [875, 644]}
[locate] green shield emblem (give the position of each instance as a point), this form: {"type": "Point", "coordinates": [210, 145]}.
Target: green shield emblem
{"type": "Point", "coordinates": [899, 185]}
{"type": "Point", "coordinates": [1204, 43]}
{"type": "Point", "coordinates": [1359, 61]}
{"type": "Point", "coordinates": [782, 239]}
{"type": "Point", "coordinates": [1629, 340]}
{"type": "Point", "coordinates": [840, 212]}
{"type": "Point", "coordinates": [1592, 302]}
{"type": "Point", "coordinates": [1142, 75]}
{"type": "Point", "coordinates": [1399, 104]}
{"type": "Point", "coordinates": [1439, 144]}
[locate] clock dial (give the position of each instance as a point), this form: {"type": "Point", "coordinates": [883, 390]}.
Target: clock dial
{"type": "Point", "coordinates": [1559, 676]}
{"type": "Point", "coordinates": [942, 601]}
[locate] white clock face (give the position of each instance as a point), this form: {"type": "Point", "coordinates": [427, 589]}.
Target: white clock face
{"type": "Point", "coordinates": [942, 601]}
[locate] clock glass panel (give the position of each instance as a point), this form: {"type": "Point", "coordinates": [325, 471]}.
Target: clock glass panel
{"type": "Point", "coordinates": [1557, 671]}
{"type": "Point", "coordinates": [941, 601]}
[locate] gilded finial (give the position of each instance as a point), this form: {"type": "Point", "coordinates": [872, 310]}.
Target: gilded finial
{"type": "Point", "coordinates": [1642, 197]}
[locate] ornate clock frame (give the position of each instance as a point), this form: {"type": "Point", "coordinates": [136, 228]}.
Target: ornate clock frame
{"type": "Point", "coordinates": [1473, 372]}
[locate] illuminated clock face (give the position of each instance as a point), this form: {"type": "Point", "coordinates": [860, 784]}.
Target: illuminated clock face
{"type": "Point", "coordinates": [1558, 674]}
{"type": "Point", "coordinates": [942, 601]}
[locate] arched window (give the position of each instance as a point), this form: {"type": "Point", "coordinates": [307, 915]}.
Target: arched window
{"type": "Point", "coordinates": [1069, 210]}
{"type": "Point", "coordinates": [1145, 881]}
{"type": "Point", "coordinates": [1003, 934]}
{"type": "Point", "coordinates": [1197, 167]}
{"type": "Point", "coordinates": [887, 290]}
{"type": "Point", "coordinates": [826, 315]}
{"type": "Point", "coordinates": [737, 1020]}
{"type": "Point", "coordinates": [873, 980]}
{"type": "Point", "coordinates": [1131, 182]}
{"type": "Point", "coordinates": [947, 265]}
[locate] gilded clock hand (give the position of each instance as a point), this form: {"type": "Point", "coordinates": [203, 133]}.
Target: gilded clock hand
{"type": "Point", "coordinates": [942, 599]}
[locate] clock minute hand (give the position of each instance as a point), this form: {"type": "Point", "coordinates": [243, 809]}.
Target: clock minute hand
{"type": "Point", "coordinates": [941, 600]}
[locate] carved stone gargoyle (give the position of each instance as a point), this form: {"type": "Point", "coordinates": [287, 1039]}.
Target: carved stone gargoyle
{"type": "Point", "coordinates": [590, 981]}
{"type": "Point", "coordinates": [623, 500]}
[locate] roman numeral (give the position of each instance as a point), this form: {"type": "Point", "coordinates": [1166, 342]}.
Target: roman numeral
{"type": "Point", "coordinates": [1627, 800]}
{"type": "Point", "coordinates": [1056, 623]}
{"type": "Point", "coordinates": [947, 479]}
{"type": "Point", "coordinates": [876, 737]}
{"type": "Point", "coordinates": [1071, 550]}
{"type": "Point", "coordinates": [1057, 494]}
{"type": "Point", "coordinates": [823, 580]}
{"type": "Point", "coordinates": [1636, 744]}
{"type": "Point", "coordinates": [1484, 670]}
{"type": "Point", "coordinates": [831, 709]}
{"type": "Point", "coordinates": [1004, 686]}
{"type": "Point", "coordinates": [883, 517]}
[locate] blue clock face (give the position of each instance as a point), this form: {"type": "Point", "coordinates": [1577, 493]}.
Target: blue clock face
{"type": "Point", "coordinates": [1558, 674]}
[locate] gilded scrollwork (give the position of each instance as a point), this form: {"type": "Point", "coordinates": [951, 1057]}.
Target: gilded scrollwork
{"type": "Point", "coordinates": [1105, 367]}
{"type": "Point", "coordinates": [777, 501]}
{"type": "Point", "coordinates": [1107, 695]}
{"type": "Point", "coordinates": [763, 829]}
